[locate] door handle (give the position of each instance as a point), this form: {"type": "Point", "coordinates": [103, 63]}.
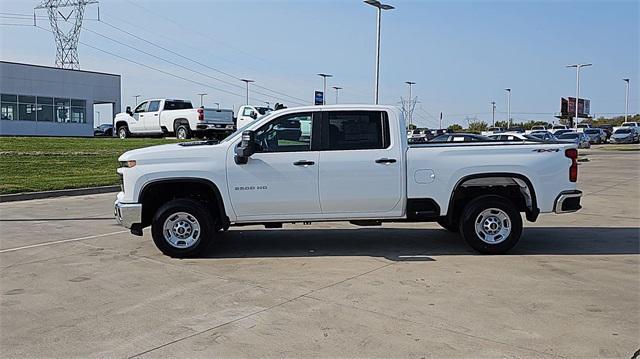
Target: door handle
{"type": "Point", "coordinates": [386, 160]}
{"type": "Point", "coordinates": [156, 114]}
{"type": "Point", "coordinates": [304, 163]}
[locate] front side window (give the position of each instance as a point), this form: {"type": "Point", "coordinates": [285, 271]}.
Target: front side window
{"type": "Point", "coordinates": [154, 106]}
{"type": "Point", "coordinates": [356, 130]}
{"type": "Point", "coordinates": [141, 107]}
{"type": "Point", "coordinates": [289, 133]}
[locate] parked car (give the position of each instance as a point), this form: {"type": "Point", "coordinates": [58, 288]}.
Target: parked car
{"type": "Point", "coordinates": [544, 135]}
{"type": "Point", "coordinates": [516, 129]}
{"type": "Point", "coordinates": [582, 126]}
{"type": "Point", "coordinates": [105, 129]}
{"type": "Point", "coordinates": [358, 168]}
{"type": "Point", "coordinates": [217, 123]}
{"type": "Point", "coordinates": [162, 117]}
{"type": "Point", "coordinates": [248, 114]}
{"type": "Point", "coordinates": [624, 135]}
{"type": "Point", "coordinates": [596, 135]}
{"type": "Point", "coordinates": [513, 136]}
{"type": "Point", "coordinates": [538, 128]}
{"type": "Point", "coordinates": [460, 137]}
{"type": "Point", "coordinates": [579, 138]}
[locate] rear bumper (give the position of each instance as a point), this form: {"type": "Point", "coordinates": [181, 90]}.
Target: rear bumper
{"type": "Point", "coordinates": [214, 127]}
{"type": "Point", "coordinates": [128, 214]}
{"type": "Point", "coordinates": [567, 202]}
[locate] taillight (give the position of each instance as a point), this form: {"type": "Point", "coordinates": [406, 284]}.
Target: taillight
{"type": "Point", "coordinates": [200, 114]}
{"type": "Point", "coordinates": [572, 153]}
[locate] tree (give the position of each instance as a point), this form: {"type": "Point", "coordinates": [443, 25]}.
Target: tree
{"type": "Point", "coordinates": [454, 128]}
{"type": "Point", "coordinates": [478, 126]}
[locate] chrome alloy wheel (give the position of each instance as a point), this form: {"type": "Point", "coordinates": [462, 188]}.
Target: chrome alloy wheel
{"type": "Point", "coordinates": [181, 230]}
{"type": "Point", "coordinates": [493, 226]}
{"type": "Point", "coordinates": [182, 133]}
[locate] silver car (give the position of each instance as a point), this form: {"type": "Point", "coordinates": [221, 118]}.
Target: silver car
{"type": "Point", "coordinates": [624, 135]}
{"type": "Point", "coordinates": [596, 135]}
{"type": "Point", "coordinates": [579, 138]}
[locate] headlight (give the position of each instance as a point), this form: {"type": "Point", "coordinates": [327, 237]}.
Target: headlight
{"type": "Point", "coordinates": [127, 164]}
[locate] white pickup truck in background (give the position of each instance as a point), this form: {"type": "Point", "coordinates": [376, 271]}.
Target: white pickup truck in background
{"type": "Point", "coordinates": [163, 117]}
{"type": "Point", "coordinates": [341, 163]}
{"type": "Point", "coordinates": [248, 114]}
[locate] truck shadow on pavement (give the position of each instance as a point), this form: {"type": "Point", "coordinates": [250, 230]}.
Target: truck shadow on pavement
{"type": "Point", "coordinates": [413, 244]}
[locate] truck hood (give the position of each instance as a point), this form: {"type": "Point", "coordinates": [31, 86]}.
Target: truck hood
{"type": "Point", "coordinates": [175, 152]}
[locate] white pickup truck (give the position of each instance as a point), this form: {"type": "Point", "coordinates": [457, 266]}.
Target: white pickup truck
{"type": "Point", "coordinates": [169, 116]}
{"type": "Point", "coordinates": [354, 165]}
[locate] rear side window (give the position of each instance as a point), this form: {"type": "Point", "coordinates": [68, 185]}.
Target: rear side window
{"type": "Point", "coordinates": [177, 105]}
{"type": "Point", "coordinates": [355, 130]}
{"type": "Point", "coordinates": [247, 111]}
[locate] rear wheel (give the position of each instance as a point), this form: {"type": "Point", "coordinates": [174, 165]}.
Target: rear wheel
{"type": "Point", "coordinates": [183, 132]}
{"type": "Point", "coordinates": [491, 224]}
{"type": "Point", "coordinates": [182, 228]}
{"type": "Point", "coordinates": [123, 132]}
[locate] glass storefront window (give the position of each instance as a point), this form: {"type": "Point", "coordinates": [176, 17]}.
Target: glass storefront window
{"type": "Point", "coordinates": [26, 112]}
{"type": "Point", "coordinates": [62, 109]}
{"type": "Point", "coordinates": [26, 99]}
{"type": "Point", "coordinates": [45, 100]}
{"type": "Point", "coordinates": [78, 115]}
{"type": "Point", "coordinates": [8, 111]}
{"type": "Point", "coordinates": [45, 113]}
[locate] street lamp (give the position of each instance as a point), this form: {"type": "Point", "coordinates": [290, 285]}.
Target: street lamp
{"type": "Point", "coordinates": [247, 82]}
{"type": "Point", "coordinates": [217, 104]}
{"type": "Point", "coordinates": [626, 100]}
{"type": "Point", "coordinates": [324, 87]}
{"type": "Point", "coordinates": [202, 95]}
{"type": "Point", "coordinates": [337, 88]}
{"type": "Point", "coordinates": [493, 114]}
{"type": "Point", "coordinates": [380, 6]}
{"type": "Point", "coordinates": [410, 113]}
{"type": "Point", "coordinates": [577, 66]}
{"type": "Point", "coordinates": [136, 96]}
{"type": "Point", "coordinates": [508, 107]}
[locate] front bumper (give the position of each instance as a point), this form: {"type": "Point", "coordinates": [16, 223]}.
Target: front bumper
{"type": "Point", "coordinates": [128, 214]}
{"type": "Point", "coordinates": [621, 140]}
{"type": "Point", "coordinates": [567, 202]}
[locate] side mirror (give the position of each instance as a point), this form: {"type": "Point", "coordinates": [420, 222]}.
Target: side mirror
{"type": "Point", "coordinates": [253, 115]}
{"type": "Point", "coordinates": [128, 110]}
{"type": "Point", "coordinates": [247, 147]}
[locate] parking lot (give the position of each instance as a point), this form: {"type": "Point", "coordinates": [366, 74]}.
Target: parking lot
{"type": "Point", "coordinates": [74, 284]}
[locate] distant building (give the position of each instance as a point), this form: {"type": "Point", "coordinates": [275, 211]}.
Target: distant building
{"type": "Point", "coordinates": [48, 101]}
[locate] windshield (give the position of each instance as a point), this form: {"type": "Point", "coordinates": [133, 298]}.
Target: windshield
{"type": "Point", "coordinates": [591, 131]}
{"type": "Point", "coordinates": [569, 136]}
{"type": "Point", "coordinates": [622, 130]}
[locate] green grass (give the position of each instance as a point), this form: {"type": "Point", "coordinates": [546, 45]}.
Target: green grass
{"type": "Point", "coordinates": [29, 164]}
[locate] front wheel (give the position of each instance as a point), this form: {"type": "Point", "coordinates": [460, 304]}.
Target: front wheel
{"type": "Point", "coordinates": [491, 224]}
{"type": "Point", "coordinates": [182, 228]}
{"type": "Point", "coordinates": [123, 132]}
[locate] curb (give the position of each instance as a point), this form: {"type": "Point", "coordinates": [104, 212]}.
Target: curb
{"type": "Point", "coordinates": [60, 193]}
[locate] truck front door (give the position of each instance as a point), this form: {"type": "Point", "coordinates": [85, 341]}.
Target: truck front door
{"type": "Point", "coordinates": [280, 180]}
{"type": "Point", "coordinates": [152, 117]}
{"type": "Point", "coordinates": [361, 168]}
{"type": "Point", "coordinates": [137, 125]}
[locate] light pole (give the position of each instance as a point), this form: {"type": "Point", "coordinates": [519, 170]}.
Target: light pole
{"type": "Point", "coordinates": [409, 112]}
{"type": "Point", "coordinates": [202, 95]}
{"type": "Point", "coordinates": [217, 104]}
{"type": "Point", "coordinates": [380, 6]}
{"type": "Point", "coordinates": [508, 107]}
{"type": "Point", "coordinates": [324, 87]}
{"type": "Point", "coordinates": [246, 81]}
{"type": "Point", "coordinates": [493, 114]}
{"type": "Point", "coordinates": [136, 97]}
{"type": "Point", "coordinates": [577, 66]}
{"type": "Point", "coordinates": [626, 100]}
{"type": "Point", "coordinates": [337, 88]}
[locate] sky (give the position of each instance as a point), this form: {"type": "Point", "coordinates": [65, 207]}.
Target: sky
{"type": "Point", "coordinates": [461, 54]}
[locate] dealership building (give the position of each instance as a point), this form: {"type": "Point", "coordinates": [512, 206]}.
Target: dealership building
{"type": "Point", "coordinates": [48, 101]}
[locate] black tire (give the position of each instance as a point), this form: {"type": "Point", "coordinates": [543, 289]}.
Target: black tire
{"type": "Point", "coordinates": [183, 132]}
{"type": "Point", "coordinates": [500, 205]}
{"type": "Point", "coordinates": [192, 208]}
{"type": "Point", "coordinates": [123, 132]}
{"type": "Point", "coordinates": [451, 227]}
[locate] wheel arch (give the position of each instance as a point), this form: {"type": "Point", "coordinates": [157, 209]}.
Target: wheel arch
{"type": "Point", "coordinates": [180, 121]}
{"type": "Point", "coordinates": [181, 187]}
{"type": "Point", "coordinates": [494, 179]}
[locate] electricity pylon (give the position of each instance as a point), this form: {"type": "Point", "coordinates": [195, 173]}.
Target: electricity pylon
{"type": "Point", "coordinates": [66, 41]}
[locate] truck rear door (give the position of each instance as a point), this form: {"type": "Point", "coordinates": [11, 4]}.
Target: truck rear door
{"type": "Point", "coordinates": [360, 164]}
